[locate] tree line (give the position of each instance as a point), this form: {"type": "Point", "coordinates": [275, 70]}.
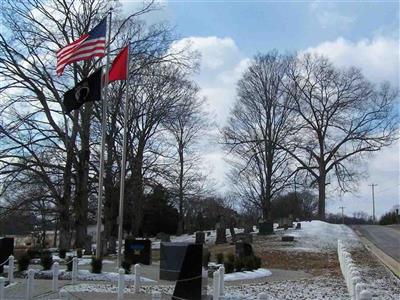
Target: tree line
{"type": "Point", "coordinates": [299, 121]}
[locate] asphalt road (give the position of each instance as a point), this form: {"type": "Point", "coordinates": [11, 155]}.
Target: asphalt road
{"type": "Point", "coordinates": [386, 238]}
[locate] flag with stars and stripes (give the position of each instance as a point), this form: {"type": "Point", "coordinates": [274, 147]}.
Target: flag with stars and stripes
{"type": "Point", "coordinates": [89, 45]}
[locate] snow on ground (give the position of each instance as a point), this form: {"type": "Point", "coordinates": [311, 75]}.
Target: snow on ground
{"type": "Point", "coordinates": [86, 275]}
{"type": "Point", "coordinates": [81, 261]}
{"type": "Point", "coordinates": [190, 238]}
{"type": "Point", "coordinates": [320, 236]}
{"type": "Point", "coordinates": [321, 288]}
{"type": "Point", "coordinates": [247, 275]}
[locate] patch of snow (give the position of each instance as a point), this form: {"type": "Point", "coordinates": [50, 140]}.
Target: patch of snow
{"type": "Point", "coordinates": [318, 235]}
{"type": "Point", "coordinates": [86, 275]}
{"type": "Point", "coordinates": [247, 275]}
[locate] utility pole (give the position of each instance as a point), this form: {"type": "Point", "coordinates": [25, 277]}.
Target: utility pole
{"type": "Point", "coordinates": [373, 185]}
{"type": "Point", "coordinates": [342, 207]}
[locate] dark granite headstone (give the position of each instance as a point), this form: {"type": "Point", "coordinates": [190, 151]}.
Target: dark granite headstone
{"type": "Point", "coordinates": [287, 238]}
{"type": "Point", "coordinates": [164, 237]}
{"type": "Point", "coordinates": [190, 277]}
{"type": "Point", "coordinates": [298, 226]}
{"type": "Point", "coordinates": [221, 233]}
{"type": "Point", "coordinates": [243, 249]}
{"type": "Point", "coordinates": [244, 237]}
{"type": "Point", "coordinates": [266, 228]}
{"type": "Point", "coordinates": [6, 249]}
{"type": "Point", "coordinates": [138, 251]}
{"type": "Point", "coordinates": [200, 237]}
{"type": "Point", "coordinates": [171, 260]}
{"type": "Point", "coordinates": [248, 228]}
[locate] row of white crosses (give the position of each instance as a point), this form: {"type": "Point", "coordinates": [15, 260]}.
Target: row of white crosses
{"type": "Point", "coordinates": [352, 275]}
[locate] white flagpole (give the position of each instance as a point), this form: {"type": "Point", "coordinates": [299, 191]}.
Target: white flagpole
{"type": "Point", "coordinates": [103, 138]}
{"type": "Point", "coordinates": [123, 167]}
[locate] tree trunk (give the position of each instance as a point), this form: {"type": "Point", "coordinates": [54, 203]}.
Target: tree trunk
{"type": "Point", "coordinates": [110, 199]}
{"type": "Point", "coordinates": [181, 226]}
{"type": "Point", "coordinates": [82, 194]}
{"type": "Point", "coordinates": [321, 197]}
{"type": "Point", "coordinates": [136, 198]}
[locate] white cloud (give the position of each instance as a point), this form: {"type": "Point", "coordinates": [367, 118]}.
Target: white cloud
{"type": "Point", "coordinates": [216, 52]}
{"type": "Point", "coordinates": [221, 65]}
{"type": "Point", "coordinates": [378, 58]}
{"type": "Point", "coordinates": [328, 15]}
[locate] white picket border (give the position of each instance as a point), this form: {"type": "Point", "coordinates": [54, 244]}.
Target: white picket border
{"type": "Point", "coordinates": [2, 284]}
{"type": "Point", "coordinates": [121, 284]}
{"type": "Point", "coordinates": [10, 269]}
{"type": "Point", "coordinates": [352, 276]}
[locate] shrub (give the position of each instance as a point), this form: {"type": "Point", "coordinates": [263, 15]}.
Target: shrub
{"type": "Point", "coordinates": [62, 253]}
{"type": "Point", "coordinates": [127, 266]}
{"type": "Point", "coordinates": [46, 260]}
{"type": "Point", "coordinates": [97, 264]}
{"type": "Point", "coordinates": [220, 258]}
{"type": "Point", "coordinates": [229, 267]}
{"type": "Point", "coordinates": [69, 263]}
{"type": "Point", "coordinates": [230, 257]}
{"type": "Point", "coordinates": [23, 262]}
{"type": "Point", "coordinates": [239, 264]}
{"type": "Point", "coordinates": [33, 253]}
{"type": "Point", "coordinates": [79, 253]}
{"type": "Point", "coordinates": [206, 257]}
{"type": "Point", "coordinates": [257, 262]}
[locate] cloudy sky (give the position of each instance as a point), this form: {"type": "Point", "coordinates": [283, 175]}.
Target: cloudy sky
{"type": "Point", "coordinates": [229, 33]}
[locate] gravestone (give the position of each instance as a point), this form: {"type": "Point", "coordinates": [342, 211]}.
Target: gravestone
{"type": "Point", "coordinates": [200, 237]}
{"type": "Point", "coordinates": [221, 233]}
{"type": "Point", "coordinates": [248, 228]}
{"type": "Point", "coordinates": [164, 237]}
{"type": "Point", "coordinates": [138, 251]}
{"type": "Point", "coordinates": [290, 220]}
{"type": "Point", "coordinates": [243, 249]}
{"type": "Point", "coordinates": [244, 237]}
{"type": "Point", "coordinates": [183, 262]}
{"type": "Point", "coordinates": [287, 238]}
{"type": "Point", "coordinates": [265, 228]}
{"type": "Point", "coordinates": [6, 249]}
{"type": "Point", "coordinates": [298, 226]}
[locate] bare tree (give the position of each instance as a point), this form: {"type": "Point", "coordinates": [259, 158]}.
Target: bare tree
{"type": "Point", "coordinates": [260, 121]}
{"type": "Point", "coordinates": [341, 117]}
{"type": "Point", "coordinates": [186, 125]}
{"type": "Point", "coordinates": [31, 103]}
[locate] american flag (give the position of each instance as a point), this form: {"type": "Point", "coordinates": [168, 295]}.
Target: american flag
{"type": "Point", "coordinates": [87, 46]}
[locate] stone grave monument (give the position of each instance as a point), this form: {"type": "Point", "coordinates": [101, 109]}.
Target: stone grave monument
{"type": "Point", "coordinates": [243, 249]}
{"type": "Point", "coordinates": [265, 227]}
{"type": "Point", "coordinates": [200, 237]}
{"type": "Point", "coordinates": [221, 233]}
{"type": "Point", "coordinates": [164, 237]}
{"type": "Point", "coordinates": [6, 249]}
{"type": "Point", "coordinates": [183, 262]}
{"type": "Point", "coordinates": [138, 251]}
{"type": "Point", "coordinates": [244, 237]}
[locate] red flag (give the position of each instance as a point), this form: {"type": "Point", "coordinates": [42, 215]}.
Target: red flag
{"type": "Point", "coordinates": [119, 67]}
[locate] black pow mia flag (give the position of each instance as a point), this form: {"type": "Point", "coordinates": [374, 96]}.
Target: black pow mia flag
{"type": "Point", "coordinates": [89, 89]}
